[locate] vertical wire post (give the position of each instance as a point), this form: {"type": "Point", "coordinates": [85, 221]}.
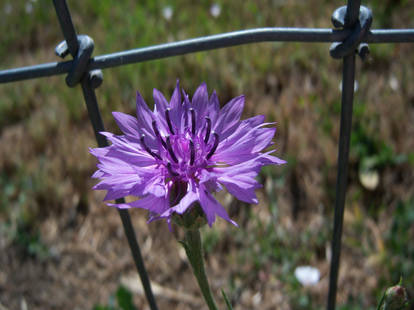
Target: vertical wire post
{"type": "Point", "coordinates": [66, 24]}
{"type": "Point", "coordinates": [342, 173]}
{"type": "Point", "coordinates": [96, 120]}
{"type": "Point", "coordinates": [89, 95]}
{"type": "Point", "coordinates": [348, 80]}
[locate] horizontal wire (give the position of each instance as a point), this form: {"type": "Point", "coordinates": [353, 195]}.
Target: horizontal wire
{"type": "Point", "coordinates": [207, 43]}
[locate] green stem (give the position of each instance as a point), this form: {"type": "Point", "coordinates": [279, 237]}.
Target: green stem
{"type": "Point", "coordinates": [381, 301]}
{"type": "Point", "coordinates": [194, 250]}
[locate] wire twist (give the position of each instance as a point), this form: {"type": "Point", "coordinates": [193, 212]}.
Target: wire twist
{"type": "Point", "coordinates": [360, 29]}
{"type": "Point", "coordinates": [80, 62]}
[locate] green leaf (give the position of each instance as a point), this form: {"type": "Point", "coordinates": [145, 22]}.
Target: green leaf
{"type": "Point", "coordinates": [124, 299]}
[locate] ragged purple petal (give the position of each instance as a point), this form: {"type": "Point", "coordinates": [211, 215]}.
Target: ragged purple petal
{"type": "Point", "coordinates": [229, 117]}
{"type": "Point", "coordinates": [199, 104]}
{"type": "Point", "coordinates": [211, 207]}
{"type": "Point", "coordinates": [150, 203]}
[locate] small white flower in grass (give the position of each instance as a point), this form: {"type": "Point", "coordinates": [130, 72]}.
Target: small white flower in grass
{"type": "Point", "coordinates": [167, 12]}
{"type": "Point", "coordinates": [394, 83]}
{"type": "Point", "coordinates": [368, 175]}
{"type": "Point", "coordinates": [307, 275]}
{"type": "Point", "coordinates": [369, 179]}
{"type": "Point", "coordinates": [215, 10]}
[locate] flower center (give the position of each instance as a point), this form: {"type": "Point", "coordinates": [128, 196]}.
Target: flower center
{"type": "Point", "coordinates": [183, 152]}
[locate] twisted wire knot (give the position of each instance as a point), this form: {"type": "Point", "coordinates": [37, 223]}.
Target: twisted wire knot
{"type": "Point", "coordinates": [358, 31]}
{"type": "Point", "coordinates": [80, 62]}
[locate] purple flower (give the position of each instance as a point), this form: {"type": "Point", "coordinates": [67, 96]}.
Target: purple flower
{"type": "Point", "coordinates": [190, 143]}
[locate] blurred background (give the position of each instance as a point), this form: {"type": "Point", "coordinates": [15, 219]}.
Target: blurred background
{"type": "Point", "coordinates": [62, 248]}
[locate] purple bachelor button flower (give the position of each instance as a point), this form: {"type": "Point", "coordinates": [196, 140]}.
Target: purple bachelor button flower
{"type": "Point", "coordinates": [189, 145]}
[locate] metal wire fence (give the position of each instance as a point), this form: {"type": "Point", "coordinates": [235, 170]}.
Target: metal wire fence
{"type": "Point", "coordinates": [350, 36]}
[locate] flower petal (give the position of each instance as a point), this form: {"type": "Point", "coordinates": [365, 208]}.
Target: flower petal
{"type": "Point", "coordinates": [126, 150]}
{"type": "Point", "coordinates": [160, 102]}
{"type": "Point", "coordinates": [144, 119]}
{"type": "Point", "coordinates": [211, 207]}
{"type": "Point", "coordinates": [199, 103]}
{"type": "Point", "coordinates": [243, 188]}
{"type": "Point", "coordinates": [240, 179]}
{"type": "Point", "coordinates": [127, 123]}
{"type": "Point", "coordinates": [176, 107]}
{"type": "Point", "coordinates": [229, 117]}
{"type": "Point", "coordinates": [214, 107]}
{"type": "Point", "coordinates": [244, 144]}
{"type": "Point", "coordinates": [150, 203]}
